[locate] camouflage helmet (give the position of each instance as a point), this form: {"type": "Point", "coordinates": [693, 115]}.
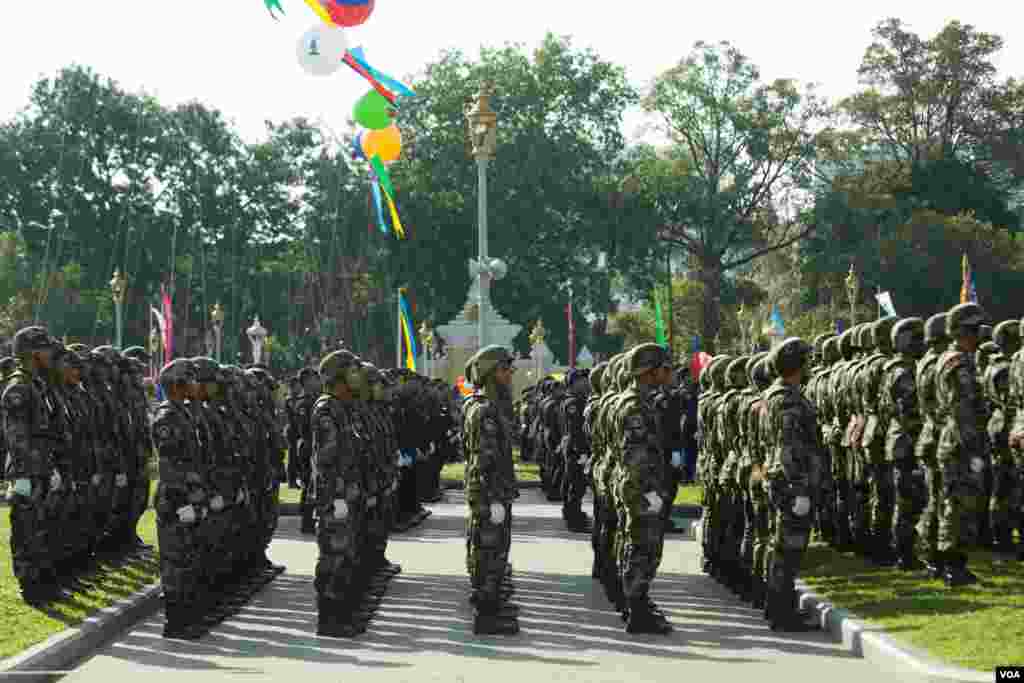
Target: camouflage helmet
{"type": "Point", "coordinates": [206, 369]}
{"type": "Point", "coordinates": [863, 337]}
{"type": "Point", "coordinates": [1006, 335]}
{"type": "Point", "coordinates": [985, 333]}
{"type": "Point", "coordinates": [7, 365]}
{"type": "Point", "coordinates": [138, 353]}
{"type": "Point", "coordinates": [846, 345]}
{"type": "Point", "coordinates": [763, 374]}
{"type": "Point", "coordinates": [964, 319]}
{"type": "Point", "coordinates": [935, 330]}
{"type": "Point", "coordinates": [704, 379]}
{"type": "Point", "coordinates": [480, 366]}
{"type": "Point", "coordinates": [983, 354]}
{"type": "Point", "coordinates": [819, 343]}
{"type": "Point", "coordinates": [752, 362]}
{"type": "Point", "coordinates": [178, 371]}
{"type": "Point", "coordinates": [995, 374]}
{"type": "Point", "coordinates": [907, 336]}
{"type": "Point", "coordinates": [646, 357]}
{"type": "Point", "coordinates": [596, 375]}
{"type": "Point", "coordinates": [29, 339]}
{"type": "Point", "coordinates": [335, 364]}
{"type": "Point", "coordinates": [881, 333]}
{"type": "Point", "coordinates": [830, 351]}
{"type": "Point", "coordinates": [736, 373]}
{"type": "Point", "coordinates": [718, 371]}
{"type": "Point", "coordinates": [790, 355]}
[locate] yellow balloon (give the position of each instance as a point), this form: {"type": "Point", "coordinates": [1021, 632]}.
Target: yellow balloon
{"type": "Point", "coordinates": [385, 143]}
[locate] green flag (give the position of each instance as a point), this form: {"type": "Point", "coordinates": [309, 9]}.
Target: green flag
{"type": "Point", "coordinates": [659, 323]}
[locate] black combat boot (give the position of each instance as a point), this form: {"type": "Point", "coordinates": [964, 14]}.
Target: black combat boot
{"type": "Point", "coordinates": [907, 558]}
{"type": "Point", "coordinates": [757, 592]}
{"type": "Point", "coordinates": [332, 621]}
{"type": "Point", "coordinates": [783, 615]}
{"type": "Point", "coordinates": [642, 620]}
{"type": "Point", "coordinates": [957, 574]}
{"type": "Point", "coordinates": [489, 619]}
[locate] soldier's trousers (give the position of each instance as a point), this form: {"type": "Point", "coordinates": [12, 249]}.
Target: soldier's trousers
{"type": "Point", "coordinates": [928, 524]}
{"type": "Point", "coordinates": [643, 538]}
{"type": "Point", "coordinates": [762, 539]}
{"type": "Point", "coordinates": [911, 497]}
{"type": "Point", "coordinates": [596, 528]}
{"type": "Point", "coordinates": [962, 498]}
{"type": "Point", "coordinates": [574, 484]}
{"type": "Point", "coordinates": [218, 544]}
{"type": "Point", "coordinates": [487, 552]}
{"type": "Point", "coordinates": [181, 571]}
{"type": "Point", "coordinates": [338, 543]}
{"type": "Point", "coordinates": [140, 498]}
{"type": "Point", "coordinates": [379, 520]}
{"type": "Point", "coordinates": [709, 501]}
{"type": "Point", "coordinates": [1005, 501]}
{"type": "Point", "coordinates": [789, 542]}
{"type": "Point", "coordinates": [270, 511]}
{"type": "Point", "coordinates": [749, 524]}
{"type": "Point", "coordinates": [306, 505]}
{"type": "Point", "coordinates": [730, 515]}
{"type": "Point", "coordinates": [860, 498]}
{"type": "Point", "coordinates": [841, 495]}
{"type": "Point", "coordinates": [880, 480]}
{"type": "Point", "coordinates": [31, 555]}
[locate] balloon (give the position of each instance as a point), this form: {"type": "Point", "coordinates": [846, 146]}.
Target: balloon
{"type": "Point", "coordinates": [320, 50]}
{"type": "Point", "coordinates": [385, 143]}
{"type": "Point", "coordinates": [373, 111]}
{"type": "Point", "coordinates": [349, 12]}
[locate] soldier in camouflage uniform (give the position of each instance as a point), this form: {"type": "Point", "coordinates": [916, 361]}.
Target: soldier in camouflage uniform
{"type": "Point", "coordinates": [133, 371]}
{"type": "Point", "coordinates": [747, 445]}
{"type": "Point", "coordinates": [551, 436]}
{"type": "Point", "coordinates": [761, 377]}
{"type": "Point", "coordinates": [641, 485]}
{"type": "Point", "coordinates": [269, 452]}
{"type": "Point", "coordinates": [596, 380]}
{"type": "Point", "coordinates": [793, 475]}
{"type": "Point", "coordinates": [899, 404]}
{"type": "Point", "coordinates": [606, 519]}
{"type": "Point", "coordinates": [842, 461]}
{"type": "Point", "coordinates": [1016, 441]}
{"type": "Point", "coordinates": [820, 371]}
{"type": "Point", "coordinates": [383, 467]}
{"type": "Point", "coordinates": [710, 462]}
{"type": "Point", "coordinates": [303, 407]}
{"type": "Point", "coordinates": [575, 450]}
{"type": "Point", "coordinates": [860, 482]}
{"type": "Point", "coordinates": [961, 453]}
{"type": "Point", "coordinates": [1005, 479]}
{"type": "Point", "coordinates": [490, 487]}
{"type": "Point", "coordinates": [730, 497]}
{"type": "Point", "coordinates": [928, 441]}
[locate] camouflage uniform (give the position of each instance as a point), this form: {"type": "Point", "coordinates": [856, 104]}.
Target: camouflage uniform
{"type": "Point", "coordinates": [756, 428]}
{"type": "Point", "coordinates": [838, 443]}
{"type": "Point", "coordinates": [1005, 499]}
{"type": "Point", "coordinates": [928, 442]}
{"type": "Point", "coordinates": [597, 383]}
{"type": "Point", "coordinates": [873, 441]}
{"type": "Point", "coordinates": [575, 452]}
{"type": "Point", "coordinates": [730, 499]}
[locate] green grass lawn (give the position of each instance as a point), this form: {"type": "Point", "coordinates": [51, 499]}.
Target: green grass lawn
{"type": "Point", "coordinates": [689, 495]}
{"type": "Point", "coordinates": [525, 471]}
{"type": "Point", "coordinates": [978, 627]}
{"type": "Point", "coordinates": [23, 626]}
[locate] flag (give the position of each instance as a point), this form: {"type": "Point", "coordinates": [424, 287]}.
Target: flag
{"type": "Point", "coordinates": [161, 323]}
{"type": "Point", "coordinates": [968, 293]}
{"type": "Point", "coordinates": [572, 333]}
{"type": "Point", "coordinates": [659, 324]}
{"type": "Point", "coordinates": [885, 301]}
{"type": "Point", "coordinates": [776, 327]}
{"type": "Point", "coordinates": [168, 324]}
{"type": "Point", "coordinates": [408, 331]}
{"type": "Point", "coordinates": [839, 327]}
{"type": "Point", "coordinates": [695, 347]}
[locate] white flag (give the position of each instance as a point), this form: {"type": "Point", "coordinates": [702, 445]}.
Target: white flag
{"type": "Point", "coordinates": [885, 301]}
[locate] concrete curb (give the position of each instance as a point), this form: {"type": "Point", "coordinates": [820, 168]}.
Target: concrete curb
{"type": "Point", "coordinates": [60, 652]}
{"type": "Point", "coordinates": [874, 644]}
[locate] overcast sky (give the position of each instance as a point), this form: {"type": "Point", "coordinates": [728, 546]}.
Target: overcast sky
{"type": "Point", "coordinates": [230, 54]}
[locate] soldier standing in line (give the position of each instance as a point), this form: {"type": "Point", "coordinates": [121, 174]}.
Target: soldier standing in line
{"type": "Point", "coordinates": [269, 452]}
{"type": "Point", "coordinates": [1005, 500]}
{"type": "Point", "coordinates": [928, 442]}
{"type": "Point", "coordinates": [136, 361]}
{"type": "Point", "coordinates": [605, 515]}
{"type": "Point", "coordinates": [575, 451]}
{"type": "Point", "coordinates": [291, 429]}
{"type": "Point", "coordinates": [760, 379]}
{"type": "Point", "coordinates": [303, 407]}
{"type": "Point", "coordinates": [490, 488]}
{"type": "Point", "coordinates": [842, 459]}
{"type": "Point", "coordinates": [794, 475]}
{"type": "Point", "coordinates": [1017, 439]}
{"type": "Point", "coordinates": [596, 391]}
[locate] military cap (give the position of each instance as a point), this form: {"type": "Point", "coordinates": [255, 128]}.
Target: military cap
{"type": "Point", "coordinates": [334, 365]}
{"type": "Point", "coordinates": [206, 369]}
{"type": "Point", "coordinates": [993, 373]}
{"type": "Point", "coordinates": [483, 362]}
{"type": "Point", "coordinates": [718, 369]}
{"type": "Point", "coordinates": [7, 365]}
{"type": "Point", "coordinates": [596, 376]}
{"type": "Point", "coordinates": [752, 361]}
{"type": "Point", "coordinates": [862, 337]}
{"type": "Point", "coordinates": [846, 344]}
{"type": "Point", "coordinates": [907, 334]}
{"type": "Point", "coordinates": [964, 318]}
{"type": "Point", "coordinates": [830, 351]}
{"type": "Point", "coordinates": [763, 373]}
{"type": "Point", "coordinates": [819, 343]}
{"type": "Point", "coordinates": [646, 357]}
{"type": "Point", "coordinates": [29, 339]}
{"type": "Point", "coordinates": [138, 353]}
{"type": "Point", "coordinates": [935, 329]}
{"type": "Point", "coordinates": [790, 355]}
{"type": "Point", "coordinates": [178, 371]}
{"type": "Point", "coordinates": [1007, 336]}
{"type": "Point", "coordinates": [985, 332]}
{"type": "Point", "coordinates": [881, 332]}
{"type": "Point", "coordinates": [736, 373]}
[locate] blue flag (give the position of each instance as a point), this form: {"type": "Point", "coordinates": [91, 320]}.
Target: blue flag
{"type": "Point", "coordinates": [777, 325]}
{"type": "Point", "coordinates": [696, 344]}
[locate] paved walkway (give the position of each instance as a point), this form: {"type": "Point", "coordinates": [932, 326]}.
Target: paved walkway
{"type": "Point", "coordinates": [423, 629]}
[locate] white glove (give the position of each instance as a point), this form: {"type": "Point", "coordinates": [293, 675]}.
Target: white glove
{"type": "Point", "coordinates": [121, 481]}
{"type": "Point", "coordinates": [23, 487]}
{"type": "Point", "coordinates": [582, 460]}
{"type": "Point", "coordinates": [217, 504]}
{"type": "Point", "coordinates": [240, 497]}
{"type": "Point", "coordinates": [371, 502]}
{"type": "Point", "coordinates": [96, 480]}
{"type": "Point", "coordinates": [340, 509]}
{"type": "Point", "coordinates": [55, 480]}
{"type": "Point", "coordinates": [677, 459]}
{"type": "Point", "coordinates": [654, 501]}
{"type": "Point", "coordinates": [801, 506]}
{"type": "Point", "coordinates": [394, 486]}
{"type": "Point", "coordinates": [187, 514]}
{"type": "Point", "coordinates": [497, 513]}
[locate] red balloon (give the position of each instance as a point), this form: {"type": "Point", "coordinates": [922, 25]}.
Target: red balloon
{"type": "Point", "coordinates": [348, 13]}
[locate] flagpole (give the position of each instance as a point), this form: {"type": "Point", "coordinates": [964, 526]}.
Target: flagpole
{"type": "Point", "coordinates": [398, 319]}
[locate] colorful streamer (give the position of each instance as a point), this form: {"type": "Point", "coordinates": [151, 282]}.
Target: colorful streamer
{"type": "Point", "coordinates": [319, 10]}
{"type": "Point", "coordinates": [395, 221]}
{"type": "Point", "coordinates": [382, 175]}
{"type": "Point", "coordinates": [407, 331]}
{"type": "Point", "coordinates": [382, 78]}
{"type": "Point", "coordinates": [274, 5]}
{"type": "Point", "coordinates": [379, 204]}
{"type": "Point", "coordinates": [358, 68]}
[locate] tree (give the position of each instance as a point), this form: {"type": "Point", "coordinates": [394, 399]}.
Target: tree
{"type": "Point", "coordinates": [736, 183]}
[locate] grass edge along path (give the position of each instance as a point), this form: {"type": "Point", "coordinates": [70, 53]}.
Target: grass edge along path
{"type": "Point", "coordinates": [977, 627]}
{"type": "Point", "coordinates": [23, 626]}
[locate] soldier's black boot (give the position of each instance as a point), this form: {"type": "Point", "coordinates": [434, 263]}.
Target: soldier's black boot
{"type": "Point", "coordinates": [935, 565]}
{"type": "Point", "coordinates": [757, 592]}
{"type": "Point", "coordinates": [489, 620]}
{"type": "Point", "coordinates": [957, 573]}
{"type": "Point", "coordinates": [642, 620]}
{"type": "Point", "coordinates": [907, 559]}
{"type": "Point", "coordinates": [783, 615]}
{"type": "Point", "coordinates": [331, 619]}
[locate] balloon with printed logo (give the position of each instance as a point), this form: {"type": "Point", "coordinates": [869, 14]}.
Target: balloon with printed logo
{"type": "Point", "coordinates": [348, 12]}
{"type": "Point", "coordinates": [373, 111]}
{"type": "Point", "coordinates": [385, 143]}
{"type": "Point", "coordinates": [320, 50]}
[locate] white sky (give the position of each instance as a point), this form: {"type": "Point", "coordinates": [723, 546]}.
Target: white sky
{"type": "Point", "coordinates": [231, 55]}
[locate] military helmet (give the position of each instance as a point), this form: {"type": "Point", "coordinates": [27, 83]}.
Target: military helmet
{"type": "Point", "coordinates": [881, 333]}
{"type": "Point", "coordinates": [1006, 335]}
{"type": "Point", "coordinates": [372, 373]}
{"type": "Point", "coordinates": [718, 370]}
{"type": "Point", "coordinates": [480, 366]}
{"type": "Point", "coordinates": [138, 353]}
{"type": "Point", "coordinates": [7, 365]}
{"type": "Point", "coordinates": [985, 332]}
{"type": "Point", "coordinates": [178, 371]}
{"type": "Point", "coordinates": [965, 319]}
{"type": "Point", "coordinates": [907, 335]}
{"type": "Point", "coordinates": [819, 343]}
{"type": "Point", "coordinates": [935, 329]}
{"type": "Point", "coordinates": [206, 369]}
{"type": "Point", "coordinates": [763, 373]}
{"type": "Point", "coordinates": [107, 354]}
{"type": "Point", "coordinates": [334, 365]}
{"type": "Point", "coordinates": [984, 352]}
{"type": "Point", "coordinates": [29, 339]}
{"type": "Point", "coordinates": [846, 345]}
{"type": "Point", "coordinates": [995, 374]}
{"type": "Point", "coordinates": [863, 337]}
{"type": "Point", "coordinates": [830, 351]}
{"type": "Point", "coordinates": [752, 362]}
{"type": "Point", "coordinates": [736, 373]}
{"type": "Point", "coordinates": [596, 375]}
{"type": "Point", "coordinates": [645, 357]}
{"type": "Point", "coordinates": [790, 355]}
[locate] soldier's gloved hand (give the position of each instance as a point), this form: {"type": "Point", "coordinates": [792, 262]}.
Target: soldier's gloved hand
{"type": "Point", "coordinates": [187, 514]}
{"type": "Point", "coordinates": [677, 459]}
{"type": "Point", "coordinates": [240, 497]}
{"type": "Point", "coordinates": [96, 480]}
{"type": "Point", "coordinates": [394, 486]}
{"type": "Point", "coordinates": [582, 460]}
{"type": "Point", "coordinates": [340, 509]}
{"type": "Point", "coordinates": [371, 502]}
{"type": "Point", "coordinates": [801, 506]}
{"type": "Point", "coordinates": [217, 504]}
{"type": "Point", "coordinates": [23, 487]}
{"type": "Point", "coordinates": [121, 481]}
{"type": "Point", "coordinates": [497, 513]}
{"type": "Point", "coordinates": [654, 501]}
{"type": "Point", "coordinates": [55, 480]}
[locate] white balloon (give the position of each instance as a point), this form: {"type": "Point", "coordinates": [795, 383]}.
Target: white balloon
{"type": "Point", "coordinates": [321, 49]}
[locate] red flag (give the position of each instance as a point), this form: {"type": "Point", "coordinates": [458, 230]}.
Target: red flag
{"type": "Point", "coordinates": [572, 334]}
{"type": "Point", "coordinates": [169, 326]}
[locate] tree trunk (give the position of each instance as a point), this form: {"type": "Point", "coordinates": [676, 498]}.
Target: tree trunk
{"type": "Point", "coordinates": [710, 275]}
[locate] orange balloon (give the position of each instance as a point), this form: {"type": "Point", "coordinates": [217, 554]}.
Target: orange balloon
{"type": "Point", "coordinates": [385, 143]}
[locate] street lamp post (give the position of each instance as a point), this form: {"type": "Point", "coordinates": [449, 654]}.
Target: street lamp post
{"type": "Point", "coordinates": [482, 124]}
{"type": "Point", "coordinates": [536, 340]}
{"type": "Point", "coordinates": [257, 335]}
{"type": "Point", "coordinates": [741, 318]}
{"type": "Point", "coordinates": [852, 289]}
{"type": "Point", "coordinates": [118, 286]}
{"type": "Point", "coordinates": [427, 335]}
{"type": "Point", "coordinates": [217, 318]}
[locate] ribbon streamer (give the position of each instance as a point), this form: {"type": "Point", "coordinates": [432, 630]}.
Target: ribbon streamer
{"type": "Point", "coordinates": [358, 68]}
{"type": "Point", "coordinates": [320, 11]}
{"type": "Point", "coordinates": [274, 5]}
{"type": "Point", "coordinates": [382, 175]}
{"type": "Point", "coordinates": [360, 58]}
{"type": "Point", "coordinates": [395, 220]}
{"type": "Point", "coordinates": [379, 204]}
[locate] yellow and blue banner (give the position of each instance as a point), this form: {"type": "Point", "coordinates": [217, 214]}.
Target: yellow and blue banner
{"type": "Point", "coordinates": [408, 331]}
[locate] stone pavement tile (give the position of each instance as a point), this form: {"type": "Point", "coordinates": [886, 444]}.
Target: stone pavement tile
{"type": "Point", "coordinates": [423, 632]}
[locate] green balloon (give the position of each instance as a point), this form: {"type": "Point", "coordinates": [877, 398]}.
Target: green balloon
{"type": "Point", "coordinates": [373, 111]}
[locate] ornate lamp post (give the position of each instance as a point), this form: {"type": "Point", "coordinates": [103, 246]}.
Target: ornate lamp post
{"type": "Point", "coordinates": [741, 318]}
{"type": "Point", "coordinates": [427, 335]}
{"type": "Point", "coordinates": [257, 335]}
{"type": "Point", "coordinates": [852, 289]}
{"type": "Point", "coordinates": [118, 286]}
{"type": "Point", "coordinates": [217, 319]}
{"type": "Point", "coordinates": [537, 341]}
{"type": "Point", "coordinates": [482, 127]}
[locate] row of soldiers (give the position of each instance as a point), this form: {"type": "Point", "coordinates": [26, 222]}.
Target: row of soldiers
{"type": "Point", "coordinates": [911, 457]}
{"type": "Point", "coordinates": [76, 448]}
